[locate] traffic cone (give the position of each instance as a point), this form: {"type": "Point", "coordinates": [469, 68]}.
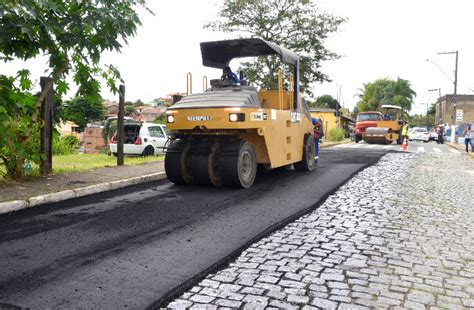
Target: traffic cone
{"type": "Point", "coordinates": [404, 145]}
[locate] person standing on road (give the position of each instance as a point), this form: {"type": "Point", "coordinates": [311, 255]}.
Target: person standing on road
{"type": "Point", "coordinates": [471, 137]}
{"type": "Point", "coordinates": [405, 132]}
{"type": "Point", "coordinates": [317, 135]}
{"type": "Point", "coordinates": [467, 137]}
{"type": "Point", "coordinates": [440, 134]}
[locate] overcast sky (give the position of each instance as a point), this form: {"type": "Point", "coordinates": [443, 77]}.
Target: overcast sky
{"type": "Point", "coordinates": [381, 39]}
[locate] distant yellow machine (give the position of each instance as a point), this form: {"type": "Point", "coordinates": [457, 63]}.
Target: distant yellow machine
{"type": "Point", "coordinates": [219, 136]}
{"type": "Point", "coordinates": [380, 127]}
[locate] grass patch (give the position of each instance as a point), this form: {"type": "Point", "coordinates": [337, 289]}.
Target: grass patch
{"type": "Point", "coordinates": [86, 162]}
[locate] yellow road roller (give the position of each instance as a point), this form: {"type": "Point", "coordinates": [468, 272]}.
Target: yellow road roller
{"type": "Point", "coordinates": [218, 137]}
{"type": "Point", "coordinates": [388, 128]}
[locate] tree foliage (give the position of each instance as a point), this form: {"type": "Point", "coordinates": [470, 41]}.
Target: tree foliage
{"type": "Point", "coordinates": [129, 109]}
{"type": "Point", "coordinates": [72, 36]}
{"type": "Point", "coordinates": [19, 133]}
{"type": "Point", "coordinates": [386, 91]}
{"type": "Point", "coordinates": [327, 101]}
{"type": "Point", "coordinates": [298, 25]}
{"type": "Point", "coordinates": [82, 110]}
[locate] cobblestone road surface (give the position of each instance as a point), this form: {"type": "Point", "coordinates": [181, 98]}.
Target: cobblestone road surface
{"type": "Point", "coordinates": [397, 235]}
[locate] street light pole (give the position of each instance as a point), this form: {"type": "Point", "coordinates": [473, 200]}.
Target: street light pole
{"type": "Point", "coordinates": [439, 99]}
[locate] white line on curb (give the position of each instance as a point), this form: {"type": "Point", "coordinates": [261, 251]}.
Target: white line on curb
{"type": "Point", "coordinates": [16, 205]}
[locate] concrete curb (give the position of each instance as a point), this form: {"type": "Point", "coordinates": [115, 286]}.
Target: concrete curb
{"type": "Point", "coordinates": [16, 205]}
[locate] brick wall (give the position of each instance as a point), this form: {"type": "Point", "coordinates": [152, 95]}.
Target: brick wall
{"type": "Point", "coordinates": [93, 141]}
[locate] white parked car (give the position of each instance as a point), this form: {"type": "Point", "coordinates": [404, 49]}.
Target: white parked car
{"type": "Point", "coordinates": [433, 135]}
{"type": "Point", "coordinates": [420, 134]}
{"type": "Point", "coordinates": [144, 139]}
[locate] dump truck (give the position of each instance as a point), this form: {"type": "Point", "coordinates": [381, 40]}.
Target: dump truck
{"type": "Point", "coordinates": [219, 136]}
{"type": "Point", "coordinates": [380, 127]}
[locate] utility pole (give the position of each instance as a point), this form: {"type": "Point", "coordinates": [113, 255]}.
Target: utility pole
{"type": "Point", "coordinates": [455, 82]}
{"type": "Point", "coordinates": [46, 142]}
{"type": "Point", "coordinates": [120, 125]}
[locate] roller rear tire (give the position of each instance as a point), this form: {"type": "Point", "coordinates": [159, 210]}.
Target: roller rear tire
{"type": "Point", "coordinates": [307, 163]}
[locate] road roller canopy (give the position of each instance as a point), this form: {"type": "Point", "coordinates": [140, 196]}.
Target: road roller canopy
{"type": "Point", "coordinates": [391, 106]}
{"type": "Point", "coordinates": [233, 97]}
{"type": "Point", "coordinates": [218, 54]}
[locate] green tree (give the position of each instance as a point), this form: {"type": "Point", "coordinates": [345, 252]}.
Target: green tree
{"type": "Point", "coordinates": [327, 101]}
{"type": "Point", "coordinates": [138, 103]}
{"type": "Point", "coordinates": [431, 115]}
{"type": "Point", "coordinates": [81, 111]}
{"type": "Point", "coordinates": [386, 91]}
{"type": "Point", "coordinates": [109, 129]}
{"type": "Point", "coordinates": [129, 109]}
{"type": "Point", "coordinates": [298, 25]}
{"type": "Point", "coordinates": [160, 119]}
{"type": "Point", "coordinates": [72, 35]}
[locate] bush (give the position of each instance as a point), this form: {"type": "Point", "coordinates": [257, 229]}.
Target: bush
{"type": "Point", "coordinates": [336, 134]}
{"type": "Point", "coordinates": [160, 119]}
{"type": "Point", "coordinates": [109, 129]}
{"type": "Point", "coordinates": [65, 145]}
{"type": "Point", "coordinates": [105, 151]}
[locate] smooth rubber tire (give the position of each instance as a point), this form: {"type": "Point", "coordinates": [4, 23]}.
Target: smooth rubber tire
{"type": "Point", "coordinates": [238, 164]}
{"type": "Point", "coordinates": [205, 164]}
{"type": "Point", "coordinates": [178, 162]}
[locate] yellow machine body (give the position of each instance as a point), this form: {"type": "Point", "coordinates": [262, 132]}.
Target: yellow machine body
{"type": "Point", "coordinates": [219, 136]}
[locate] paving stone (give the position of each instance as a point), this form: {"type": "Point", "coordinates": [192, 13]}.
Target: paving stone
{"type": "Point", "coordinates": [268, 279]}
{"type": "Point", "coordinates": [468, 302]}
{"type": "Point", "coordinates": [324, 303]}
{"type": "Point", "coordinates": [282, 305]}
{"type": "Point", "coordinates": [251, 290]}
{"type": "Point", "coordinates": [209, 283]}
{"type": "Point", "coordinates": [344, 306]}
{"type": "Point", "coordinates": [414, 305]}
{"type": "Point", "coordinates": [228, 303]}
{"type": "Point", "coordinates": [203, 306]}
{"type": "Point", "coordinates": [180, 304]}
{"type": "Point", "coordinates": [298, 299]}
{"type": "Point", "coordinates": [229, 287]}
{"type": "Point", "coordinates": [339, 298]}
{"type": "Point", "coordinates": [202, 299]}
{"type": "Point", "coordinates": [255, 306]}
{"type": "Point", "coordinates": [293, 284]}
{"type": "Point", "coordinates": [332, 276]}
{"type": "Point", "coordinates": [421, 297]}
{"type": "Point", "coordinates": [276, 294]}
{"type": "Point", "coordinates": [448, 300]}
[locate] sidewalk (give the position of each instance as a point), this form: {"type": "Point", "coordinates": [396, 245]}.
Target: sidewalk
{"type": "Point", "coordinates": [17, 195]}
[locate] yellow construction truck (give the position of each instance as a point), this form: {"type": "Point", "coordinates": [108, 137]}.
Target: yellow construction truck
{"type": "Point", "coordinates": [218, 137]}
{"type": "Point", "coordinates": [382, 127]}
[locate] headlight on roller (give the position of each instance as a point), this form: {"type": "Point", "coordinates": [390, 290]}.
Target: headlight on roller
{"type": "Point", "coordinates": [170, 119]}
{"type": "Point", "coordinates": [236, 117]}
